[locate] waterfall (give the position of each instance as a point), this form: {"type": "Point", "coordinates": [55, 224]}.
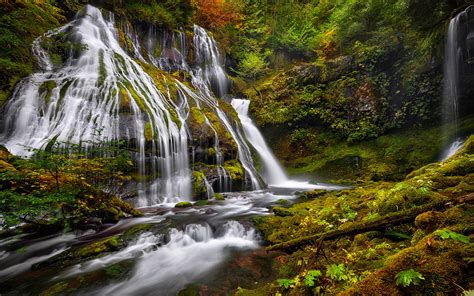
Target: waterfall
{"type": "Point", "coordinates": [273, 173]}
{"type": "Point", "coordinates": [105, 86]}
{"type": "Point", "coordinates": [452, 59]}
{"type": "Point", "coordinates": [456, 57]}
{"type": "Point", "coordinates": [208, 62]}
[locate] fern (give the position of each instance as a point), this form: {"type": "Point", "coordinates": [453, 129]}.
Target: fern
{"type": "Point", "coordinates": [337, 272]}
{"type": "Point", "coordinates": [409, 277]}
{"type": "Point", "coordinates": [285, 283]}
{"type": "Point", "coordinates": [310, 278]}
{"type": "Point", "coordinates": [448, 234]}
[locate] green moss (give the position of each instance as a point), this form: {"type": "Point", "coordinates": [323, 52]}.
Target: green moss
{"type": "Point", "coordinates": [63, 91]}
{"type": "Point", "coordinates": [138, 99]}
{"type": "Point", "coordinates": [148, 132]}
{"type": "Point", "coordinates": [199, 186]}
{"type": "Point", "coordinates": [121, 37]}
{"type": "Point", "coordinates": [102, 70]}
{"type": "Point", "coordinates": [183, 204]}
{"type": "Point", "coordinates": [46, 90]}
{"type": "Point", "coordinates": [135, 231]}
{"type": "Point", "coordinates": [211, 152]}
{"type": "Point", "coordinates": [281, 212]}
{"type": "Point", "coordinates": [57, 289]}
{"type": "Point", "coordinates": [21, 23]}
{"type": "Point", "coordinates": [219, 196]}
{"type": "Point", "coordinates": [124, 101]}
{"type": "Point", "coordinates": [97, 248]}
{"type": "Point", "coordinates": [197, 115]}
{"type": "Point", "coordinates": [389, 157]}
{"type": "Point", "coordinates": [235, 169]}
{"type": "Point", "coordinates": [374, 258]}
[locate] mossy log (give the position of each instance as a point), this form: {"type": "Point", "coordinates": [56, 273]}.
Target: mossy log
{"type": "Point", "coordinates": [379, 224]}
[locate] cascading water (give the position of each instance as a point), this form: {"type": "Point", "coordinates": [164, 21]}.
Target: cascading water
{"type": "Point", "coordinates": [208, 62]}
{"type": "Point", "coordinates": [273, 173]}
{"type": "Point", "coordinates": [104, 87]}
{"type": "Point", "coordinates": [457, 59]}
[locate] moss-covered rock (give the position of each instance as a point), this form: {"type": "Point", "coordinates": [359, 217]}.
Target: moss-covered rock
{"type": "Point", "coordinates": [235, 169]}
{"type": "Point", "coordinates": [199, 184]}
{"type": "Point", "coordinates": [183, 204]}
{"type": "Point", "coordinates": [281, 212]}
{"type": "Point", "coordinates": [108, 245]}
{"type": "Point", "coordinates": [219, 196]}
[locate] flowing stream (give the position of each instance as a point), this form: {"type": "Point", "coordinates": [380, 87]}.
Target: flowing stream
{"type": "Point", "coordinates": [210, 248]}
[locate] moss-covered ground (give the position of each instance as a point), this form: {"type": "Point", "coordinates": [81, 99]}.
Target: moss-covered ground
{"type": "Point", "coordinates": [412, 237]}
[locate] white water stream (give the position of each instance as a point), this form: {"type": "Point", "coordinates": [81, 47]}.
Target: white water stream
{"type": "Point", "coordinates": [273, 172]}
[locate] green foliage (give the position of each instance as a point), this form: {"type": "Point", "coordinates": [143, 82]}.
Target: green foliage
{"type": "Point", "coordinates": [311, 277]}
{"type": "Point", "coordinates": [293, 26]}
{"type": "Point", "coordinates": [285, 283]}
{"type": "Point", "coordinates": [409, 277]}
{"type": "Point", "coordinates": [169, 13]}
{"type": "Point", "coordinates": [20, 23]}
{"type": "Point", "coordinates": [337, 272]}
{"type": "Point", "coordinates": [448, 234]}
{"type": "Point", "coordinates": [252, 65]}
{"type": "Point", "coordinates": [63, 181]}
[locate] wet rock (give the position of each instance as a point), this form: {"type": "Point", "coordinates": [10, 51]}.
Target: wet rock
{"type": "Point", "coordinates": [183, 204]}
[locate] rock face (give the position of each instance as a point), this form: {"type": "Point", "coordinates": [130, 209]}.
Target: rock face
{"type": "Point", "coordinates": [156, 90]}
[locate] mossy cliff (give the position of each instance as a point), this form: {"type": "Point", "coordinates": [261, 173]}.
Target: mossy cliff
{"type": "Point", "coordinates": [361, 239]}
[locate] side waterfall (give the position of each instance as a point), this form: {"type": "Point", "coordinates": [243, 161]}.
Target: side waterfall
{"type": "Point", "coordinates": [102, 86]}
{"type": "Point", "coordinates": [273, 173]}
{"type": "Point", "coordinates": [456, 56]}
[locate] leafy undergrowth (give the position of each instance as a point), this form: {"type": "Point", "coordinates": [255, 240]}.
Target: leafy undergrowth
{"type": "Point", "coordinates": [54, 191]}
{"type": "Point", "coordinates": [427, 253]}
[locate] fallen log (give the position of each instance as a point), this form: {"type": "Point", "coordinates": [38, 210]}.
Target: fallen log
{"type": "Point", "coordinates": [379, 224]}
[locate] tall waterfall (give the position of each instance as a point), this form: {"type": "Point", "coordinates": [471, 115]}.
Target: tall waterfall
{"type": "Point", "coordinates": [106, 86]}
{"type": "Point", "coordinates": [456, 60]}
{"type": "Point", "coordinates": [452, 59]}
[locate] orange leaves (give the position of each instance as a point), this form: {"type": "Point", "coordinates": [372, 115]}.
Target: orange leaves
{"type": "Point", "coordinates": [216, 14]}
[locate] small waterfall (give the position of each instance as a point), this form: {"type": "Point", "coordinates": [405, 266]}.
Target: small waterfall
{"type": "Point", "coordinates": [457, 59]}
{"type": "Point", "coordinates": [452, 148]}
{"type": "Point", "coordinates": [273, 172]}
{"type": "Point", "coordinates": [208, 62]}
